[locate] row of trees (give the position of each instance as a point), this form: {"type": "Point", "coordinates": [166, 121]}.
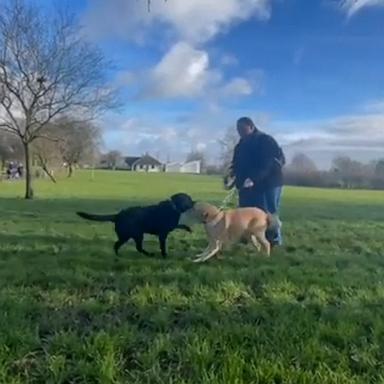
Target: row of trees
{"type": "Point", "coordinates": [69, 144]}
{"type": "Point", "coordinates": [343, 173]}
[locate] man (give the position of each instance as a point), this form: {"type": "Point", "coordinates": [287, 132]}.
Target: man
{"type": "Point", "coordinates": [257, 167]}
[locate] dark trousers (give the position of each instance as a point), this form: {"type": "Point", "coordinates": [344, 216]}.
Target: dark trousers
{"type": "Point", "coordinates": [268, 200]}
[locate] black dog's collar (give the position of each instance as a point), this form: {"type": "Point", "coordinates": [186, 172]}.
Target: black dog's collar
{"type": "Point", "coordinates": [181, 211]}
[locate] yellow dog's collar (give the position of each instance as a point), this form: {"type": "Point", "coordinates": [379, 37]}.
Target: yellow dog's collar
{"type": "Point", "coordinates": [216, 219]}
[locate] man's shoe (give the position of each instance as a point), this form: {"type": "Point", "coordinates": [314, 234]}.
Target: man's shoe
{"type": "Point", "coordinates": [275, 244]}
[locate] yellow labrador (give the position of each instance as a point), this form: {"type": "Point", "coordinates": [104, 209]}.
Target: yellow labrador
{"type": "Point", "coordinates": [226, 227]}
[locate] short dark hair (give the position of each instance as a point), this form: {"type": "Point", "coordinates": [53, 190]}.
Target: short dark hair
{"type": "Point", "coordinates": [246, 121]}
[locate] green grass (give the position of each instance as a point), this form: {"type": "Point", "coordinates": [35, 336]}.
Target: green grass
{"type": "Point", "coordinates": [73, 313]}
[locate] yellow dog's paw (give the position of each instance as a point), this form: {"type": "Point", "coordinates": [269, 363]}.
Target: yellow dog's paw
{"type": "Point", "coordinates": [197, 259]}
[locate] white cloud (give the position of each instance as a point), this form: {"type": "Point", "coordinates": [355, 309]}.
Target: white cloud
{"type": "Point", "coordinates": [237, 87]}
{"type": "Point", "coordinates": [182, 72]}
{"type": "Point", "coordinates": [185, 72]}
{"type": "Point", "coordinates": [351, 7]}
{"type": "Point", "coordinates": [174, 135]}
{"type": "Point", "coordinates": [163, 139]}
{"type": "Point", "coordinates": [201, 147]}
{"type": "Point", "coordinates": [229, 60]}
{"type": "Point", "coordinates": [183, 26]}
{"type": "Point", "coordinates": [358, 136]}
{"type": "Point", "coordinates": [195, 21]}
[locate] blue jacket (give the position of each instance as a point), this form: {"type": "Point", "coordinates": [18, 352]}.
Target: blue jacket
{"type": "Point", "coordinates": [260, 158]}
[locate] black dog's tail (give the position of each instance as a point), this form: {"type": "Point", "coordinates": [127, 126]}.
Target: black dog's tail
{"type": "Point", "coordinates": [90, 216]}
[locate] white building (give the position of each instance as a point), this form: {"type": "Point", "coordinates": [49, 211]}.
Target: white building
{"type": "Point", "coordinates": [145, 163]}
{"type": "Point", "coordinates": [193, 167]}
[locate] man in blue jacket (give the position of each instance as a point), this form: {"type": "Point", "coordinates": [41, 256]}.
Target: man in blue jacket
{"type": "Point", "coordinates": [257, 167]}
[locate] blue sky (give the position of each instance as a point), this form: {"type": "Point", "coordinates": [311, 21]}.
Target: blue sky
{"type": "Point", "coordinates": [310, 72]}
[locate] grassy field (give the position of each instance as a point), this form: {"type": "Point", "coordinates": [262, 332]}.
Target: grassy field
{"type": "Point", "coordinates": [72, 313]}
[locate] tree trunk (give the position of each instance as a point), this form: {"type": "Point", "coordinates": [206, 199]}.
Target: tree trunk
{"type": "Point", "coordinates": [49, 173]}
{"type": "Point", "coordinates": [28, 173]}
{"type": "Point", "coordinates": [44, 167]}
{"type": "Point", "coordinates": [70, 170]}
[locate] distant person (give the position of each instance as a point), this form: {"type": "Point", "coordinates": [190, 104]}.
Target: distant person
{"type": "Point", "coordinates": [9, 171]}
{"type": "Point", "coordinates": [20, 170]}
{"type": "Point", "coordinates": [257, 167]}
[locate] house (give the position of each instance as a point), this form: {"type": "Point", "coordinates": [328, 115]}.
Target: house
{"type": "Point", "coordinates": [144, 163]}
{"type": "Point", "coordinates": [188, 167]}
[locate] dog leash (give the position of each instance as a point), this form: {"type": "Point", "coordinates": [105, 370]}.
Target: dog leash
{"type": "Point", "coordinates": [228, 199]}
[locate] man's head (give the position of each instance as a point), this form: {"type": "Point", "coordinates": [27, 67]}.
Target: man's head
{"type": "Point", "coordinates": [245, 127]}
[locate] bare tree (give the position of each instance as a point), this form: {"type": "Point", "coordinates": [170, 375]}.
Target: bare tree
{"type": "Point", "coordinates": [46, 69]}
{"type": "Point", "coordinates": [302, 163]}
{"type": "Point", "coordinates": [227, 144]}
{"type": "Point", "coordinates": [197, 156]}
{"type": "Point", "coordinates": [46, 152]}
{"type": "Point", "coordinates": [77, 142]}
{"type": "Point", "coordinates": [112, 159]}
{"type": "Point", "coordinates": [350, 173]}
{"type": "Point", "coordinates": [379, 169]}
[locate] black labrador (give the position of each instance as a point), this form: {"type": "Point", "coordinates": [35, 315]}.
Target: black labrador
{"type": "Point", "coordinates": [159, 220]}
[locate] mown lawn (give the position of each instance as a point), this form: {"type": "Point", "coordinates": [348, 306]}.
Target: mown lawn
{"type": "Point", "coordinates": [73, 313]}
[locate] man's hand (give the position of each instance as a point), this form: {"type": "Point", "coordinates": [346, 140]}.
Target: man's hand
{"type": "Point", "coordinates": [248, 183]}
{"type": "Point", "coordinates": [229, 182]}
